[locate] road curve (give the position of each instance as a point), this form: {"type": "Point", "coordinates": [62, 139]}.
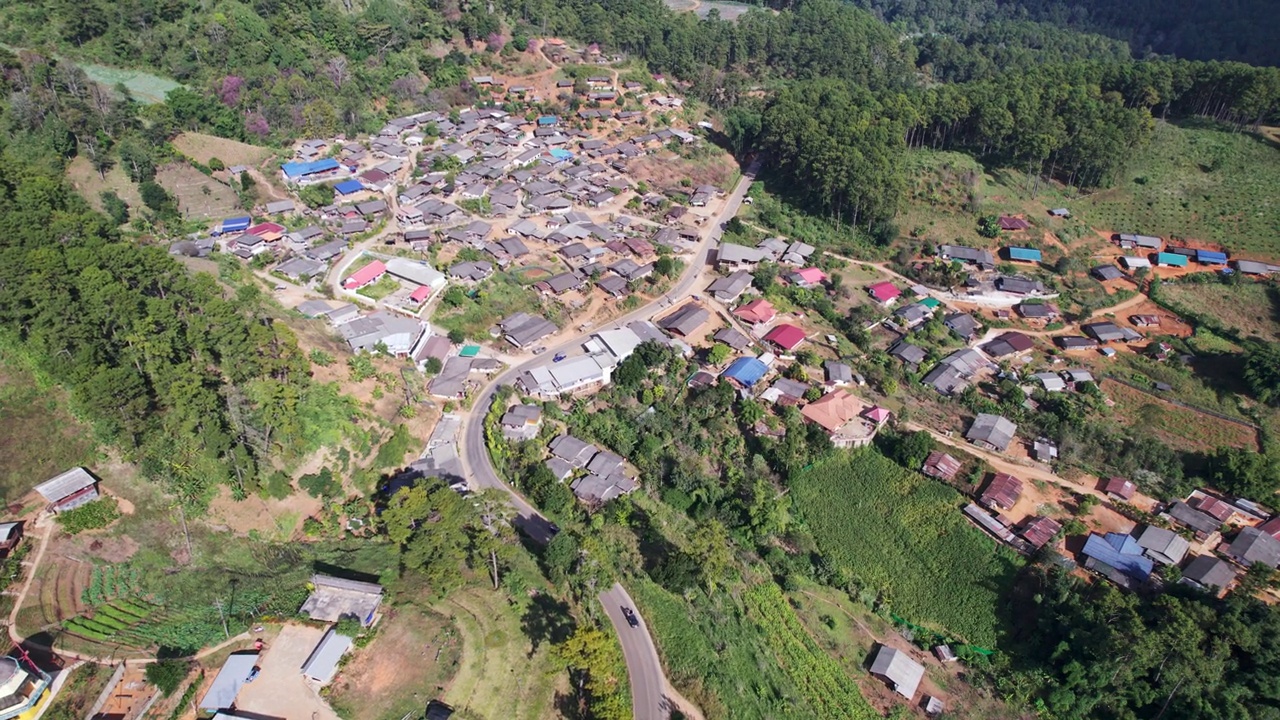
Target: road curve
{"type": "Point", "coordinates": [475, 454]}
{"type": "Point", "coordinates": [648, 684]}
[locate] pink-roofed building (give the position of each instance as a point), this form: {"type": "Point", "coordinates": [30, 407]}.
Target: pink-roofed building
{"type": "Point", "coordinates": [1008, 222]}
{"type": "Point", "coordinates": [368, 274]}
{"type": "Point", "coordinates": [885, 293]}
{"type": "Point", "coordinates": [1271, 527]}
{"type": "Point", "coordinates": [808, 277]}
{"type": "Point", "coordinates": [757, 311]}
{"type": "Point", "coordinates": [877, 414]}
{"type": "Point", "coordinates": [785, 336]}
{"type": "Point", "coordinates": [420, 295]}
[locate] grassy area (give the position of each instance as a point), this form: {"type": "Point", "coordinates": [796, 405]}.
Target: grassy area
{"type": "Point", "coordinates": [1198, 182]}
{"type": "Point", "coordinates": [1176, 426]}
{"type": "Point", "coordinates": [901, 534]}
{"type": "Point", "coordinates": [144, 87]}
{"type": "Point", "coordinates": [384, 287]}
{"type": "Point", "coordinates": [39, 437]}
{"type": "Point", "coordinates": [501, 673]}
{"type": "Point", "coordinates": [496, 298]}
{"type": "Point", "coordinates": [202, 148]}
{"type": "Point", "coordinates": [1251, 308]}
{"type": "Point", "coordinates": [82, 688]}
{"type": "Point", "coordinates": [378, 681]}
{"type": "Point", "coordinates": [716, 655]}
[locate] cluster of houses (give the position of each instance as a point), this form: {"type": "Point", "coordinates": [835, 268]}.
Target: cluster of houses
{"type": "Point", "coordinates": [596, 476]}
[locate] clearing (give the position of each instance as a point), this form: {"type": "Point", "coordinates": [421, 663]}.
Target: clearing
{"type": "Point", "coordinates": [1186, 429]}
{"type": "Point", "coordinates": [411, 658]}
{"type": "Point", "coordinates": [201, 148]}
{"type": "Point", "coordinates": [1197, 181]}
{"type": "Point", "coordinates": [90, 185]}
{"type": "Point", "coordinates": [199, 196]}
{"type": "Point", "coordinates": [39, 437]}
{"type": "Point", "coordinates": [1251, 308]}
{"type": "Point", "coordinates": [146, 88]}
{"type": "Point", "coordinates": [494, 299]}
{"type": "Point", "coordinates": [664, 169]}
{"type": "Point", "coordinates": [501, 673]}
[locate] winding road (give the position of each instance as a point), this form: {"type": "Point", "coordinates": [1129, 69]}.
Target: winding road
{"type": "Point", "coordinates": [650, 690]}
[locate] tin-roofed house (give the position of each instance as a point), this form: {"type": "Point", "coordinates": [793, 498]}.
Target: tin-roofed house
{"type": "Point", "coordinates": [333, 599]}
{"type": "Point", "coordinates": [897, 669]}
{"type": "Point", "coordinates": [69, 490]}
{"type": "Point", "coordinates": [991, 432]}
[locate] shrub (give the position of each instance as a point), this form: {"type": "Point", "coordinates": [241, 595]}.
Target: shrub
{"type": "Point", "coordinates": [167, 675]}
{"type": "Point", "coordinates": [90, 516]}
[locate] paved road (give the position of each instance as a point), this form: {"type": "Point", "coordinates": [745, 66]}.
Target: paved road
{"type": "Point", "coordinates": [648, 684]}
{"type": "Point", "coordinates": [475, 455]}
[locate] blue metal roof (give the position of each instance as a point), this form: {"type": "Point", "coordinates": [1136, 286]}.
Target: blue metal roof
{"type": "Point", "coordinates": [236, 224]}
{"type": "Point", "coordinates": [1165, 258]}
{"type": "Point", "coordinates": [1121, 552]}
{"type": "Point", "coordinates": [1211, 257]}
{"type": "Point", "coordinates": [302, 169]}
{"type": "Point", "coordinates": [746, 370]}
{"type": "Point", "coordinates": [548, 120]}
{"type": "Point", "coordinates": [1028, 254]}
{"type": "Point", "coordinates": [346, 187]}
{"type": "Point", "coordinates": [561, 154]}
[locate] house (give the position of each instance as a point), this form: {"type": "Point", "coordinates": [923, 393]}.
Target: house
{"type": "Point", "coordinates": [334, 598]}
{"type": "Point", "coordinates": [739, 256]}
{"type": "Point", "coordinates": [1253, 545]}
{"type": "Point", "coordinates": [1107, 331]}
{"type": "Point", "coordinates": [1044, 450]}
{"type": "Point", "coordinates": [418, 273]}
{"type": "Point", "coordinates": [786, 336]}
{"type": "Point", "coordinates": [785, 391]}
{"type": "Point", "coordinates": [965, 326]}
{"type": "Point", "coordinates": [897, 669]}
{"type": "Point", "coordinates": [572, 450]}
{"type": "Point", "coordinates": [523, 329]}
{"type": "Point", "coordinates": [1165, 259]}
{"type": "Point", "coordinates": [745, 371]}
{"type": "Point", "coordinates": [298, 172]}
{"type": "Point", "coordinates": [1075, 342]}
{"type": "Point", "coordinates": [953, 372]}
{"type": "Point", "coordinates": [1119, 488]}
{"type": "Point", "coordinates": [1135, 263]}
{"type": "Point", "coordinates": [991, 432]}
{"type": "Point", "coordinates": [1011, 224]}
{"type": "Point", "coordinates": [1077, 376]}
{"type": "Point", "coordinates": [598, 489]}
{"type": "Point", "coordinates": [838, 373]}
{"type": "Point", "coordinates": [1019, 286]}
{"type": "Point", "coordinates": [1162, 545]}
{"type": "Point", "coordinates": [1060, 212]}
{"type": "Point", "coordinates": [1145, 320]}
{"type": "Point", "coordinates": [1008, 343]}
{"type": "Point", "coordinates": [1039, 530]}
{"type": "Point", "coordinates": [1106, 273]}
{"type": "Point", "coordinates": [1117, 557]}
{"type": "Point", "coordinates": [280, 207]}
{"type": "Point", "coordinates": [1251, 267]}
{"type": "Point", "coordinates": [322, 664]}
{"type": "Point", "coordinates": [397, 333]}
{"type": "Point", "coordinates": [562, 283]}
{"type": "Point", "coordinates": [471, 271]}
{"type": "Point", "coordinates": [807, 277]}
{"type": "Point", "coordinates": [69, 490]}
{"type": "Point", "coordinates": [885, 293]}
{"type": "Point", "coordinates": [940, 465]}
{"type": "Point", "coordinates": [734, 339]}
{"type": "Point", "coordinates": [614, 285]}
{"type": "Point", "coordinates": [1202, 523]}
{"type": "Point", "coordinates": [10, 536]}
{"type": "Point", "coordinates": [1002, 492]}
{"type": "Point", "coordinates": [838, 412]}
{"type": "Point", "coordinates": [1213, 507]}
{"type": "Point", "coordinates": [1052, 382]}
{"type": "Point", "coordinates": [756, 312]}
{"type": "Point", "coordinates": [971, 256]}
{"type": "Point", "coordinates": [728, 289]}
{"type": "Point", "coordinates": [1024, 254]}
{"type": "Point", "coordinates": [300, 268]}
{"type": "Point", "coordinates": [1130, 241]}
{"type": "Point", "coordinates": [686, 321]}
{"type": "Point", "coordinates": [233, 675]}
{"type": "Point", "coordinates": [1209, 572]}
{"type": "Point", "coordinates": [909, 354]}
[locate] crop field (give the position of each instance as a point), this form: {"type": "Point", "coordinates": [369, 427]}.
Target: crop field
{"type": "Point", "coordinates": [1174, 425]}
{"type": "Point", "coordinates": [202, 148]}
{"type": "Point", "coordinates": [1251, 308]}
{"type": "Point", "coordinates": [1200, 183]}
{"type": "Point", "coordinates": [199, 196]}
{"type": "Point", "coordinates": [144, 87]}
{"type": "Point", "coordinates": [39, 437]}
{"type": "Point", "coordinates": [717, 656]}
{"type": "Point", "coordinates": [931, 565]}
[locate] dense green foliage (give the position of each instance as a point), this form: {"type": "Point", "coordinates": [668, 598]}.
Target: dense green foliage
{"type": "Point", "coordinates": [90, 516]}
{"type": "Point", "coordinates": [899, 534]}
{"type": "Point", "coordinates": [167, 675]}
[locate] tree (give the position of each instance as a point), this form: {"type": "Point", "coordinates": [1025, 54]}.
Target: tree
{"type": "Point", "coordinates": [989, 226]}
{"type": "Point", "coordinates": [595, 662]}
{"type": "Point", "coordinates": [432, 366]}
{"type": "Point", "coordinates": [317, 196]}
{"type": "Point", "coordinates": [457, 336]}
{"type": "Point", "coordinates": [665, 266]}
{"type": "Point", "coordinates": [115, 208]}
{"type": "Point", "coordinates": [718, 353]}
{"type": "Point", "coordinates": [155, 197]}
{"type": "Point", "coordinates": [1262, 371]}
{"type": "Point", "coordinates": [167, 675]}
{"type": "Point", "coordinates": [709, 544]}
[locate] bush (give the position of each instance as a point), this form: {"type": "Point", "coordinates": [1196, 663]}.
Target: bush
{"type": "Point", "coordinates": [167, 675]}
{"type": "Point", "coordinates": [321, 484]}
{"type": "Point", "coordinates": [90, 516]}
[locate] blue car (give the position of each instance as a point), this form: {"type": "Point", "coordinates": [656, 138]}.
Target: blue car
{"type": "Point", "coordinates": [558, 357]}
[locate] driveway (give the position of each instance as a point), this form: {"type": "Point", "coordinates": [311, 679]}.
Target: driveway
{"type": "Point", "coordinates": [280, 690]}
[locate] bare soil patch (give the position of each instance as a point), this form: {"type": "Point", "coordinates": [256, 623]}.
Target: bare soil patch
{"type": "Point", "coordinates": [90, 185]}
{"type": "Point", "coordinates": [407, 664]}
{"type": "Point", "coordinates": [271, 518]}
{"type": "Point", "coordinates": [665, 169]}
{"type": "Point", "coordinates": [201, 148]}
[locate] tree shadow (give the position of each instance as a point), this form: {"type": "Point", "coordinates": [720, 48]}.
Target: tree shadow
{"type": "Point", "coordinates": [547, 620]}
{"type": "Point", "coordinates": [569, 706]}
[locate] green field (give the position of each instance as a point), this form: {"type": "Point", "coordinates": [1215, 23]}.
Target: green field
{"type": "Point", "coordinates": [144, 87]}
{"type": "Point", "coordinates": [494, 299]}
{"type": "Point", "coordinates": [1251, 308]}
{"type": "Point", "coordinates": [901, 534]}
{"type": "Point", "coordinates": [1201, 183]}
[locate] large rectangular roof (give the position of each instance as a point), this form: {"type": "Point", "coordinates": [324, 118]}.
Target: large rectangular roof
{"type": "Point", "coordinates": [66, 484]}
{"type": "Point", "coordinates": [226, 686]}
{"type": "Point", "coordinates": [322, 664]}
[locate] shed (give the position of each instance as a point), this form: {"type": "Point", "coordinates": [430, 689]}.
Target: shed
{"type": "Point", "coordinates": [1202, 523]}
{"type": "Point", "coordinates": [322, 663]}
{"type": "Point", "coordinates": [1119, 488]}
{"type": "Point", "coordinates": [1002, 492]}
{"type": "Point", "coordinates": [884, 293]}
{"type": "Point", "coordinates": [1024, 254]}
{"type": "Point", "coordinates": [1107, 272]}
{"type": "Point", "coordinates": [1008, 222]}
{"type": "Point", "coordinates": [233, 675]}
{"type": "Point", "coordinates": [347, 187]}
{"type": "Point", "coordinates": [1039, 530]}
{"type": "Point", "coordinates": [1165, 259]}
{"type": "Point", "coordinates": [965, 326]}
{"type": "Point", "coordinates": [1209, 257]}
{"type": "Point", "coordinates": [69, 490]}
{"type": "Point", "coordinates": [940, 465]}
{"type": "Point", "coordinates": [897, 668]}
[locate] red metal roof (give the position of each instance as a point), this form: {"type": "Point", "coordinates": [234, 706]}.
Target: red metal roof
{"type": "Point", "coordinates": [941, 465]}
{"type": "Point", "coordinates": [365, 275]}
{"type": "Point", "coordinates": [1271, 527]}
{"type": "Point", "coordinates": [1213, 507]}
{"type": "Point", "coordinates": [811, 275]}
{"type": "Point", "coordinates": [1003, 491]}
{"type": "Point", "coordinates": [1040, 530]}
{"type": "Point", "coordinates": [884, 291]}
{"type": "Point", "coordinates": [1119, 487]}
{"type": "Point", "coordinates": [264, 228]}
{"type": "Point", "coordinates": [785, 336]}
{"type": "Point", "coordinates": [421, 294]}
{"type": "Point", "coordinates": [757, 311]}
{"type": "Point", "coordinates": [1013, 223]}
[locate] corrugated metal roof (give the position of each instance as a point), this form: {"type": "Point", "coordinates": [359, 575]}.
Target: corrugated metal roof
{"type": "Point", "coordinates": [746, 370]}
{"type": "Point", "coordinates": [1028, 254]}
{"type": "Point", "coordinates": [322, 664]}
{"type": "Point", "coordinates": [68, 483]}
{"type": "Point", "coordinates": [226, 686]}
